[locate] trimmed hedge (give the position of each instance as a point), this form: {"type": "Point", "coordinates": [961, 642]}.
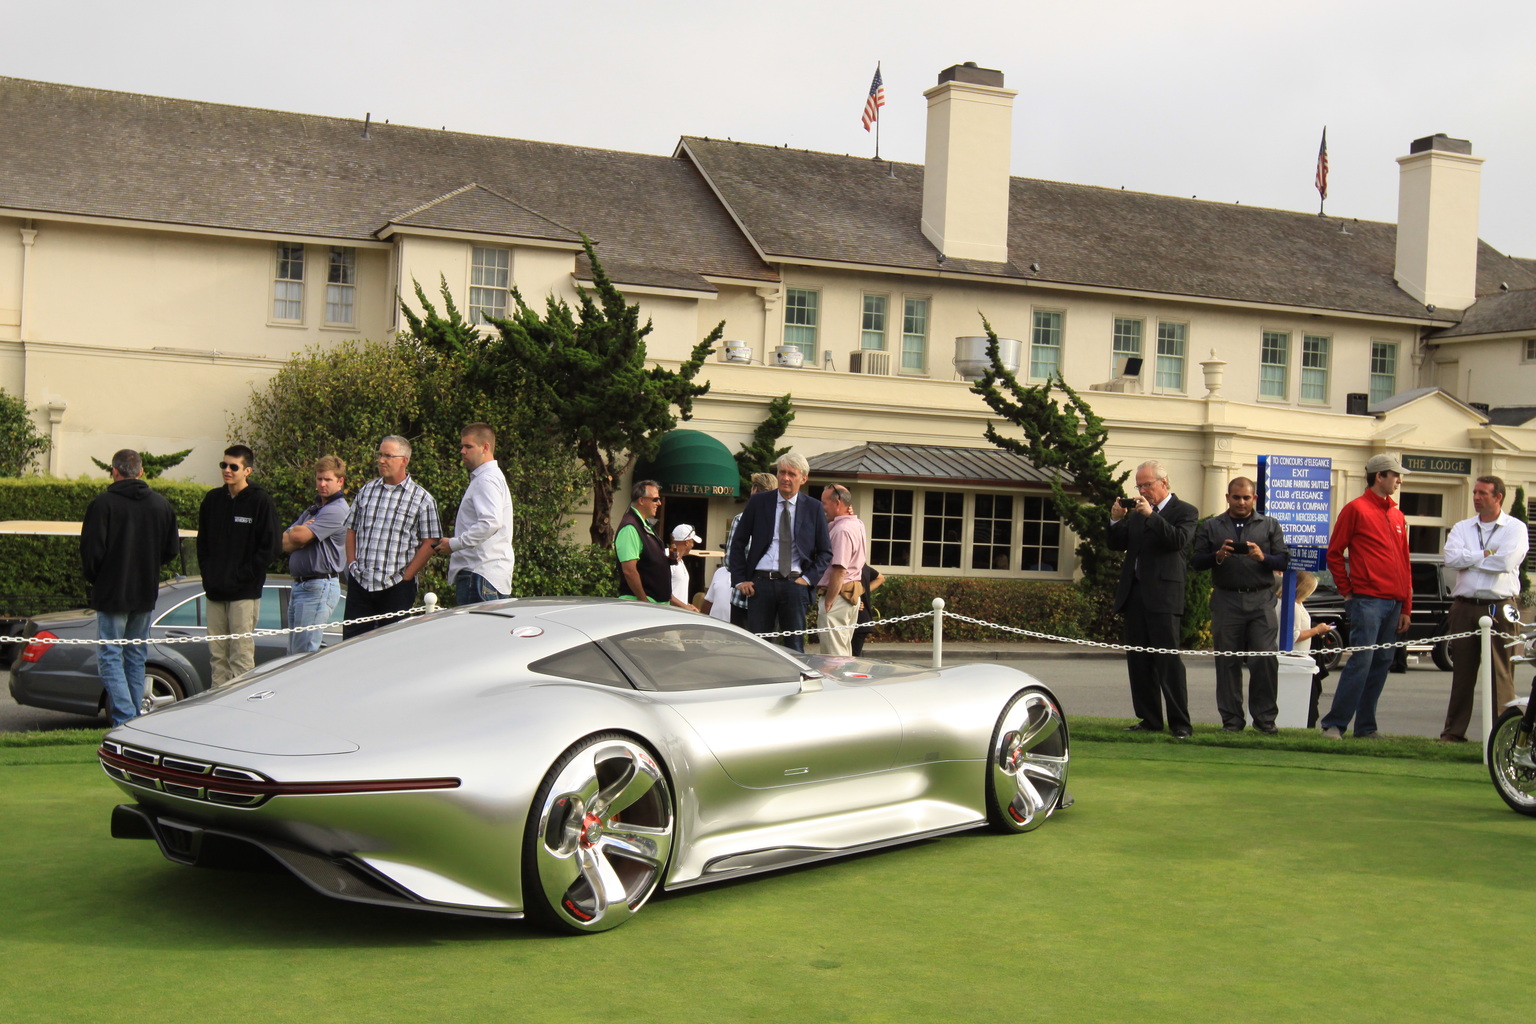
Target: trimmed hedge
{"type": "Point", "coordinates": [1060, 609]}
{"type": "Point", "coordinates": [42, 574]}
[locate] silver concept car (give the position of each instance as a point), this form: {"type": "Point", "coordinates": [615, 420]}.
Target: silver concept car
{"type": "Point", "coordinates": [562, 758]}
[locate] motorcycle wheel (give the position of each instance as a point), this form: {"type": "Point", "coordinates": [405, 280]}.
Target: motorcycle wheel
{"type": "Point", "coordinates": [1516, 783]}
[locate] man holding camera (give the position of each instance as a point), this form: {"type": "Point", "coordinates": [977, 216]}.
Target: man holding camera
{"type": "Point", "coordinates": [1154, 530]}
{"type": "Point", "coordinates": [1243, 550]}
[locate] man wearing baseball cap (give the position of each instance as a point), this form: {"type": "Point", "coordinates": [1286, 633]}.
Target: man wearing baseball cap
{"type": "Point", "coordinates": [1377, 586]}
{"type": "Point", "coordinates": [683, 540]}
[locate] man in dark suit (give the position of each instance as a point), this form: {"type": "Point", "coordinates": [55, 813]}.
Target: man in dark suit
{"type": "Point", "coordinates": [778, 551]}
{"type": "Point", "coordinates": [1154, 530]}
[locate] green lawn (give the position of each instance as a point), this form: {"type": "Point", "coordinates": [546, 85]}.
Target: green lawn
{"type": "Point", "coordinates": [1189, 883]}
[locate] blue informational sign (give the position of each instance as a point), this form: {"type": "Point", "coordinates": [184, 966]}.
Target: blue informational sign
{"type": "Point", "coordinates": [1297, 491]}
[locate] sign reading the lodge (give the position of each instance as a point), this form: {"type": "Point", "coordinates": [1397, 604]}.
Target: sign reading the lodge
{"type": "Point", "coordinates": [1297, 491]}
{"type": "Point", "coordinates": [1437, 464]}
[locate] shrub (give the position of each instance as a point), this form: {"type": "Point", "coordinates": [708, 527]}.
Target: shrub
{"type": "Point", "coordinates": [20, 440]}
{"type": "Point", "coordinates": [42, 574]}
{"type": "Point", "coordinates": [1058, 609]}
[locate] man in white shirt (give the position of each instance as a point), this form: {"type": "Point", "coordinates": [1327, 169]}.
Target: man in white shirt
{"type": "Point", "coordinates": [480, 550]}
{"type": "Point", "coordinates": [1488, 550]}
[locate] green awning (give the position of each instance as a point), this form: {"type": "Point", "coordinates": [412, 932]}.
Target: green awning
{"type": "Point", "coordinates": [692, 462]}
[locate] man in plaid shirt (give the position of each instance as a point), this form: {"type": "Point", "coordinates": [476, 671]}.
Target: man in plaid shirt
{"type": "Point", "coordinates": [391, 530]}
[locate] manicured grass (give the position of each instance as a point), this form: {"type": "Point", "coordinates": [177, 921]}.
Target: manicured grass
{"type": "Point", "coordinates": [1190, 882]}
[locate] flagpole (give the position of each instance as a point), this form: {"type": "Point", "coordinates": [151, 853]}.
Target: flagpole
{"type": "Point", "coordinates": [877, 120]}
{"type": "Point", "coordinates": [1321, 180]}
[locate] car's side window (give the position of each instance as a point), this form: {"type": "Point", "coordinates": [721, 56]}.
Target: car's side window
{"type": "Point", "coordinates": [701, 657]}
{"type": "Point", "coordinates": [272, 601]}
{"type": "Point", "coordinates": [188, 613]}
{"type": "Point", "coordinates": [587, 663]}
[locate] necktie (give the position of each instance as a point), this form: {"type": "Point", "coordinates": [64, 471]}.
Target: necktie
{"type": "Point", "coordinates": [786, 542]}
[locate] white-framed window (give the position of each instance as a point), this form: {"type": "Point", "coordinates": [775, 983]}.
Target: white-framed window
{"type": "Point", "coordinates": [1172, 342]}
{"type": "Point", "coordinates": [964, 533]}
{"type": "Point", "coordinates": [914, 336]}
{"type": "Point", "coordinates": [341, 286]}
{"type": "Point", "coordinates": [1383, 370]}
{"type": "Point", "coordinates": [1275, 365]}
{"type": "Point", "coordinates": [802, 308]}
{"type": "Point", "coordinates": [1529, 355]}
{"type": "Point", "coordinates": [1045, 345]}
{"type": "Point", "coordinates": [490, 282]}
{"type": "Point", "coordinates": [872, 326]}
{"type": "Point", "coordinates": [1316, 355]}
{"type": "Point", "coordinates": [1126, 342]}
{"type": "Point", "coordinates": [288, 284]}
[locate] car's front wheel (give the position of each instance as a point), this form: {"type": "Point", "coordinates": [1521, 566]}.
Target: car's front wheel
{"type": "Point", "coordinates": [1441, 653]}
{"type": "Point", "coordinates": [1326, 647]}
{"type": "Point", "coordinates": [161, 689]}
{"type": "Point", "coordinates": [598, 836]}
{"type": "Point", "coordinates": [1027, 763]}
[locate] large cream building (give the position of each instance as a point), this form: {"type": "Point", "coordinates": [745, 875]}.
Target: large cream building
{"type": "Point", "coordinates": [159, 258]}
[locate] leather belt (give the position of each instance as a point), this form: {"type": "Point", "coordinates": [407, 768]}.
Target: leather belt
{"type": "Point", "coordinates": [1482, 600]}
{"type": "Point", "coordinates": [774, 575]}
{"type": "Point", "coordinates": [1245, 590]}
{"type": "Point", "coordinates": [316, 576]}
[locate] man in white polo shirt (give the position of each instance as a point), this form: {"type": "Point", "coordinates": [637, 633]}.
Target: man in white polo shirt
{"type": "Point", "coordinates": [480, 550]}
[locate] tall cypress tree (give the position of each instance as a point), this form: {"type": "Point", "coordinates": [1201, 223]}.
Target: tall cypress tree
{"type": "Point", "coordinates": [761, 453]}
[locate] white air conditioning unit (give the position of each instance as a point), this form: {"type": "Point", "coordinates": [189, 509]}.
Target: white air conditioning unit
{"type": "Point", "coordinates": [971, 356]}
{"type": "Point", "coordinates": [870, 361]}
{"type": "Point", "coordinates": [736, 351]}
{"type": "Point", "coordinates": [786, 356]}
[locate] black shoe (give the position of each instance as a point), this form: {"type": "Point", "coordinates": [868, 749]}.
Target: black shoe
{"type": "Point", "coordinates": [1231, 728]}
{"type": "Point", "coordinates": [1142, 727]}
{"type": "Point", "coordinates": [1268, 730]}
{"type": "Point", "coordinates": [1182, 734]}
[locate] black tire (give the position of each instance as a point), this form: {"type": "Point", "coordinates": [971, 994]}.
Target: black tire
{"type": "Point", "coordinates": [1326, 648]}
{"type": "Point", "coordinates": [1027, 763]}
{"type": "Point", "coordinates": [162, 688]}
{"type": "Point", "coordinates": [1441, 653]}
{"type": "Point", "coordinates": [1516, 783]}
{"type": "Point", "coordinates": [602, 819]}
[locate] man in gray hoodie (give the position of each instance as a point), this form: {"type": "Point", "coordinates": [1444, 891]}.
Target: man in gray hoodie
{"type": "Point", "coordinates": [128, 533]}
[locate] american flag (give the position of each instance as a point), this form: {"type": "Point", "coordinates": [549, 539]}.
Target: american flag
{"type": "Point", "coordinates": [875, 101]}
{"type": "Point", "coordinates": [1322, 167]}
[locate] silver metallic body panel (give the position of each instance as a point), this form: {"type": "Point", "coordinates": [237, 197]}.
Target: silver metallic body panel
{"type": "Point", "coordinates": [763, 775]}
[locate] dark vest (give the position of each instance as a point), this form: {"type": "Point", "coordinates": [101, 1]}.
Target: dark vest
{"type": "Point", "coordinates": [655, 571]}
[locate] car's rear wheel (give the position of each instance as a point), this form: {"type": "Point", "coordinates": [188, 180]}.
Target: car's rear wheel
{"type": "Point", "coordinates": [598, 836]}
{"type": "Point", "coordinates": [1326, 647]}
{"type": "Point", "coordinates": [1441, 653]}
{"type": "Point", "coordinates": [1026, 763]}
{"type": "Point", "coordinates": [161, 689]}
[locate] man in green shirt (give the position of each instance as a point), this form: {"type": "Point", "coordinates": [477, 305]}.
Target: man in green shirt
{"type": "Point", "coordinates": [643, 567]}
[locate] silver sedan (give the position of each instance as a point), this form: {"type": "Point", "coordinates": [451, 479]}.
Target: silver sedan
{"type": "Point", "coordinates": [561, 759]}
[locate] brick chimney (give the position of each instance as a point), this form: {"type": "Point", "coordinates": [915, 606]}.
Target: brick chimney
{"type": "Point", "coordinates": [1437, 196]}
{"type": "Point", "coordinates": [965, 177]}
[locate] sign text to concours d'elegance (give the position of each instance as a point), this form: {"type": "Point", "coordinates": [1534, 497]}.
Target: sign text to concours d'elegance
{"type": "Point", "coordinates": [1297, 491]}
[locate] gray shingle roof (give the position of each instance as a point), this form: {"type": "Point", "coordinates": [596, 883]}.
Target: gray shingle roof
{"type": "Point", "coordinates": [120, 155]}
{"type": "Point", "coordinates": [805, 205]}
{"type": "Point", "coordinates": [1498, 313]}
{"type": "Point", "coordinates": [1512, 415]}
{"type": "Point", "coordinates": [479, 209]}
{"type": "Point", "coordinates": [876, 460]}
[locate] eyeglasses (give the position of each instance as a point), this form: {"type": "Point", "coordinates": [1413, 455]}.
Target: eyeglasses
{"type": "Point", "coordinates": [386, 455]}
{"type": "Point", "coordinates": [656, 499]}
{"type": "Point", "coordinates": [233, 467]}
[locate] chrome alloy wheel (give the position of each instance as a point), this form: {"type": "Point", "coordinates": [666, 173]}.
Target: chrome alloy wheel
{"type": "Point", "coordinates": [601, 835]}
{"type": "Point", "coordinates": [1511, 767]}
{"type": "Point", "coordinates": [1027, 763]}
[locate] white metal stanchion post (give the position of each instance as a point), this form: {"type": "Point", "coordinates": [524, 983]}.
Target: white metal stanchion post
{"type": "Point", "coordinates": [430, 602]}
{"type": "Point", "coordinates": [1485, 678]}
{"type": "Point", "coordinates": [938, 632]}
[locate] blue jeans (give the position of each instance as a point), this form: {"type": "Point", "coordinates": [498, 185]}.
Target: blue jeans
{"type": "Point", "coordinates": [1372, 620]}
{"type": "Point", "coordinates": [311, 603]}
{"type": "Point", "coordinates": [122, 667]}
{"type": "Point", "coordinates": [472, 588]}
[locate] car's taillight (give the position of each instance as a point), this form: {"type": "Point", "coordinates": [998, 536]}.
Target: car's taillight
{"type": "Point", "coordinates": [34, 651]}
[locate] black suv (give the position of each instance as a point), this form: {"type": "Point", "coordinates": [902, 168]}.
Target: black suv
{"type": "Point", "coordinates": [1432, 584]}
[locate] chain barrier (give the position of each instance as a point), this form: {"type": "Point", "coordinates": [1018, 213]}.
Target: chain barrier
{"type": "Point", "coordinates": [136, 641]}
{"type": "Point", "coordinates": [829, 629]}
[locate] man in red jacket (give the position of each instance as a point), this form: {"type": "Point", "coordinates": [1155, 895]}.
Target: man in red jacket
{"type": "Point", "coordinates": [1377, 586]}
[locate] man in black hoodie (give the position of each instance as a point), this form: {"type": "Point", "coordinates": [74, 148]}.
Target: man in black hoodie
{"type": "Point", "coordinates": [129, 532]}
{"type": "Point", "coordinates": [236, 539]}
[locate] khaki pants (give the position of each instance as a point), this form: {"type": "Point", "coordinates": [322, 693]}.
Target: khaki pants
{"type": "Point", "coordinates": [840, 619]}
{"type": "Point", "coordinates": [231, 658]}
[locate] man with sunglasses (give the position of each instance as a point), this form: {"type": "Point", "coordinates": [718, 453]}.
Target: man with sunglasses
{"type": "Point", "coordinates": [392, 530]}
{"type": "Point", "coordinates": [236, 540]}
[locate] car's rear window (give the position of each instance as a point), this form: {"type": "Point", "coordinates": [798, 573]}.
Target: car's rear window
{"type": "Point", "coordinates": [702, 657]}
{"type": "Point", "coordinates": [587, 663]}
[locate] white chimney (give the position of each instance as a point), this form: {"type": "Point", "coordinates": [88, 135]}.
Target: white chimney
{"type": "Point", "coordinates": [965, 177]}
{"type": "Point", "coordinates": [1437, 197]}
